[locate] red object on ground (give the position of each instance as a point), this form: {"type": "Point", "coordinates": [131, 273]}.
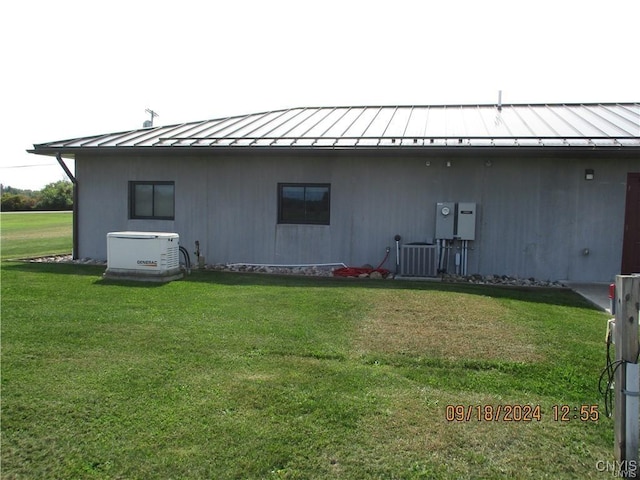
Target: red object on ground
{"type": "Point", "coordinates": [357, 271]}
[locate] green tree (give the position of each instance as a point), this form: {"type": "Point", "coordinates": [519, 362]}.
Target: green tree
{"type": "Point", "coordinates": [19, 191]}
{"type": "Point", "coordinates": [56, 196]}
{"type": "Point", "coordinates": [17, 202]}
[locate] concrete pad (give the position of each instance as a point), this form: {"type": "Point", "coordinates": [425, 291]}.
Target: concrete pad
{"type": "Point", "coordinates": [596, 293]}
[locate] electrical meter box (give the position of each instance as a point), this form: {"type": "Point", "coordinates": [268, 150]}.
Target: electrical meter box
{"type": "Point", "coordinates": [466, 221]}
{"type": "Point", "coordinates": [445, 220]}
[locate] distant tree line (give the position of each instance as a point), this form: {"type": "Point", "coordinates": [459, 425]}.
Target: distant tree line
{"type": "Point", "coordinates": [54, 196]}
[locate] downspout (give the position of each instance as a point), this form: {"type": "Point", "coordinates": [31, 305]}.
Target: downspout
{"type": "Point", "coordinates": [75, 204]}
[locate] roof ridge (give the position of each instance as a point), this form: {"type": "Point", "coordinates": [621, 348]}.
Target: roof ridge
{"type": "Point", "coordinates": [437, 105]}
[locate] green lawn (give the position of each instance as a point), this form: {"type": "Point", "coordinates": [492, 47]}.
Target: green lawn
{"type": "Point", "coordinates": [247, 376]}
{"type": "Point", "coordinates": [33, 234]}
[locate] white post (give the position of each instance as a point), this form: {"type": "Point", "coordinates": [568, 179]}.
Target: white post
{"type": "Point", "coordinates": [631, 423]}
{"type": "Point", "coordinates": [626, 377]}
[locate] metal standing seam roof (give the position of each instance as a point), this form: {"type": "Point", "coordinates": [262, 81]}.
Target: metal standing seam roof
{"type": "Point", "coordinates": [592, 125]}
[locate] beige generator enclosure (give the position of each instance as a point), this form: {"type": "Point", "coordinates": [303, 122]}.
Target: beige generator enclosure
{"type": "Point", "coordinates": [143, 256]}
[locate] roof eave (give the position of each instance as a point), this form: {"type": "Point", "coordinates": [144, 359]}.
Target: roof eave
{"type": "Point", "coordinates": [71, 152]}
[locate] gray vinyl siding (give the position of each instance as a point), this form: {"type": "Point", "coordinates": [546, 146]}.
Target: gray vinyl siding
{"type": "Point", "coordinates": [536, 214]}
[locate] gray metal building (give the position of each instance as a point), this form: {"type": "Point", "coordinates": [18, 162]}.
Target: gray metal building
{"type": "Point", "coordinates": [555, 189]}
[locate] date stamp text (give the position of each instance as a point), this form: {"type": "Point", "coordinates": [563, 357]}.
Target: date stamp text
{"type": "Point", "coordinates": [520, 413]}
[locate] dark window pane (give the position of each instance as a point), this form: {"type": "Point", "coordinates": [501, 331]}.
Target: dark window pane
{"type": "Point", "coordinates": [163, 200]}
{"type": "Point", "coordinates": [143, 200]}
{"type": "Point", "coordinates": [317, 204]}
{"type": "Point", "coordinates": [292, 204]}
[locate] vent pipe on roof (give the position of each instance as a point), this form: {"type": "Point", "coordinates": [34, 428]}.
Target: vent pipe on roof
{"type": "Point", "coordinates": [149, 123]}
{"type": "Point", "coordinates": [499, 100]}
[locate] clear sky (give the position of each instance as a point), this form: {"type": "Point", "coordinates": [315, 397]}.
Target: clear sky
{"type": "Point", "coordinates": [76, 68]}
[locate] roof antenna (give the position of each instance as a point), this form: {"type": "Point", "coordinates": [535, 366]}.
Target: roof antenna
{"type": "Point", "coordinates": [149, 123]}
{"type": "Point", "coordinates": [499, 100]}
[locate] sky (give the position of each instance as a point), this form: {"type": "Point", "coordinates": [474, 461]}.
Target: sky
{"type": "Point", "coordinates": [78, 68]}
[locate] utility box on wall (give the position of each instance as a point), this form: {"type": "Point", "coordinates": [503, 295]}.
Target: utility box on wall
{"type": "Point", "coordinates": [466, 221]}
{"type": "Point", "coordinates": [445, 220]}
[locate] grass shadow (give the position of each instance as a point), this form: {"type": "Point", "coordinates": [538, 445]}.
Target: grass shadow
{"type": "Point", "coordinates": [553, 296]}
{"type": "Point", "coordinates": [74, 269]}
{"type": "Point", "coordinates": [55, 268]}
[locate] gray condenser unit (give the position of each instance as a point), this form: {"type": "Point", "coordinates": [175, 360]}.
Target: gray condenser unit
{"type": "Point", "coordinates": [419, 260]}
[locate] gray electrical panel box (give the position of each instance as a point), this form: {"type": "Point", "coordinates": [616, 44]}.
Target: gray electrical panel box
{"type": "Point", "coordinates": [445, 220]}
{"type": "Point", "coordinates": [466, 221]}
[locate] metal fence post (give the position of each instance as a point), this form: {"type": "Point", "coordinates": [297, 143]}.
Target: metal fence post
{"type": "Point", "coordinates": [626, 376]}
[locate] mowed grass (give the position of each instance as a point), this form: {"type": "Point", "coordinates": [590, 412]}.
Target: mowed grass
{"type": "Point", "coordinates": [248, 376]}
{"type": "Point", "coordinates": [33, 234]}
